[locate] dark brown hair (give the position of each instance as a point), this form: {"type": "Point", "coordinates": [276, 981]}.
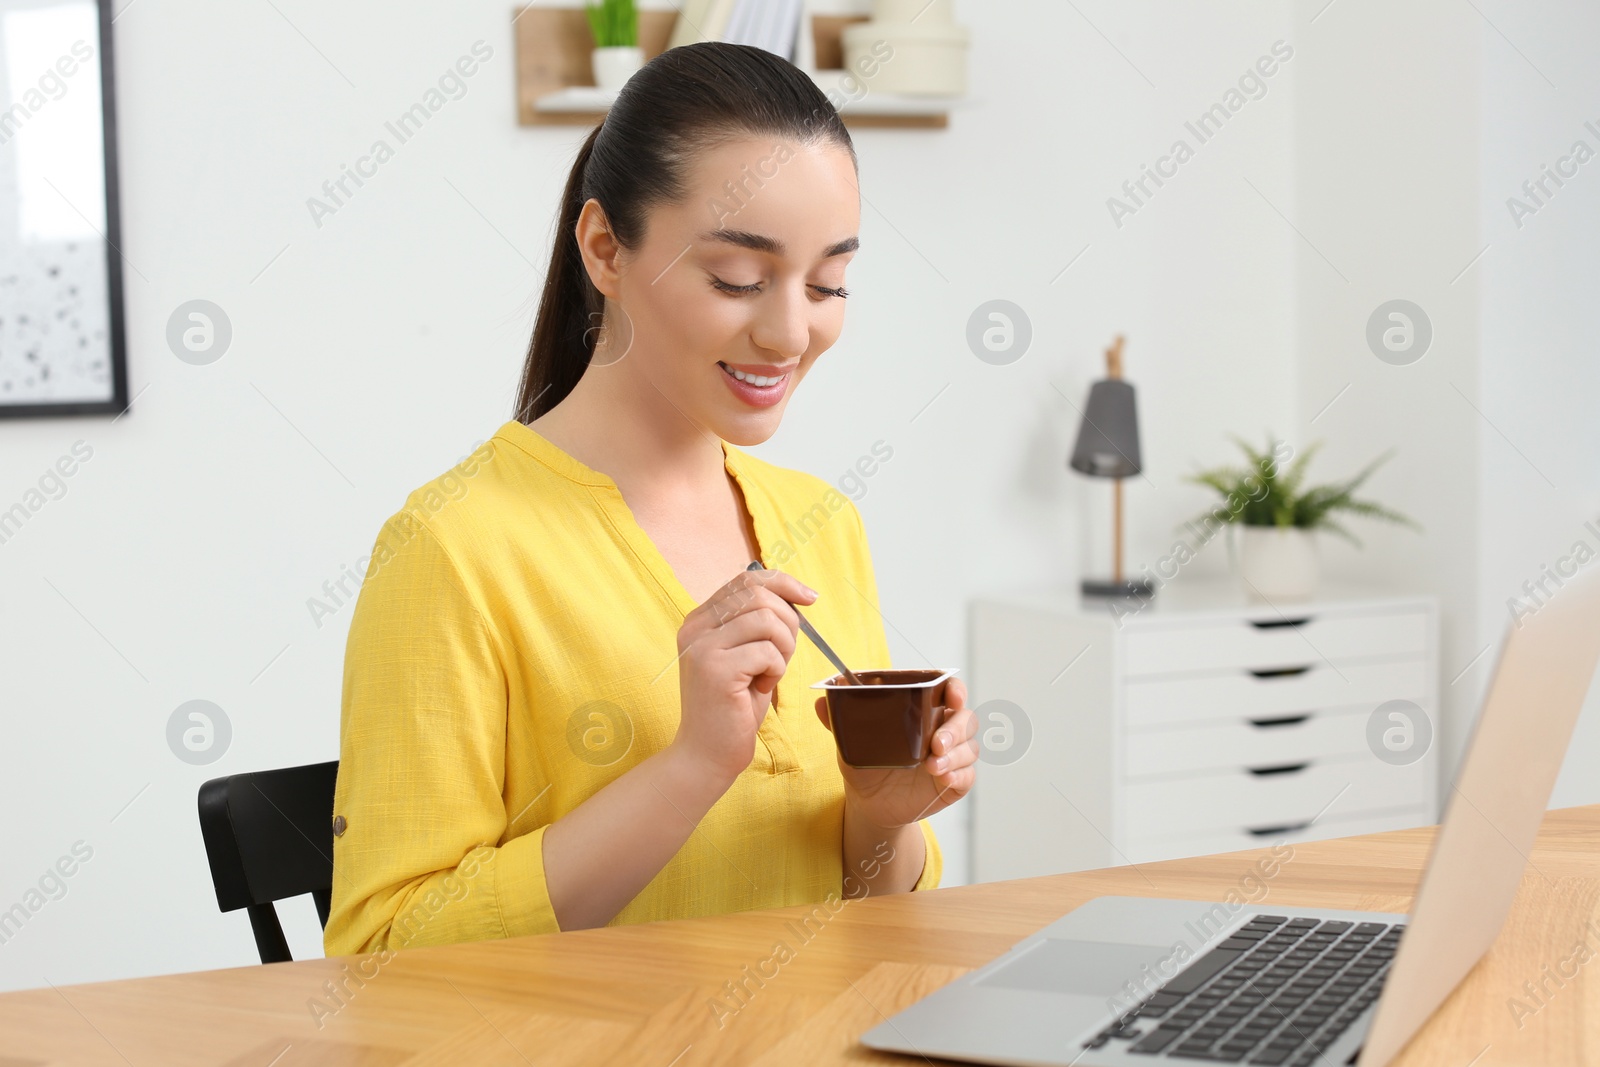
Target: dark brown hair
{"type": "Point", "coordinates": [683, 101]}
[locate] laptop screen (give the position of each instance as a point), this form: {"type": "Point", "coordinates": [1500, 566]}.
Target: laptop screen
{"type": "Point", "coordinates": [1493, 810]}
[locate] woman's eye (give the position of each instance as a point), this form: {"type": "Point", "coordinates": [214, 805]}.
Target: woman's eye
{"type": "Point", "coordinates": [742, 290]}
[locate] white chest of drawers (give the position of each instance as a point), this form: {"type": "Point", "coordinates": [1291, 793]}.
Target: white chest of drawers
{"type": "Point", "coordinates": [1200, 723]}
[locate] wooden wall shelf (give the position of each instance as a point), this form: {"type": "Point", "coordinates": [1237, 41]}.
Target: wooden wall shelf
{"type": "Point", "coordinates": [553, 48]}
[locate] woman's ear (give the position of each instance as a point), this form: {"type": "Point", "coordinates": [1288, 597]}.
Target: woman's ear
{"type": "Point", "coordinates": [599, 248]}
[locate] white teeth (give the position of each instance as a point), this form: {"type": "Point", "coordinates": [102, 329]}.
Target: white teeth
{"type": "Point", "coordinates": [754, 379]}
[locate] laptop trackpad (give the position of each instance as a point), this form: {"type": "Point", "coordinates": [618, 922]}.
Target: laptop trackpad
{"type": "Point", "coordinates": [1087, 967]}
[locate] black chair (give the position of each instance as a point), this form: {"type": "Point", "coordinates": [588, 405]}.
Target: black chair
{"type": "Point", "coordinates": [269, 835]}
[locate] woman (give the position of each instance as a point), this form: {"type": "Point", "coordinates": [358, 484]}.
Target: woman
{"type": "Point", "coordinates": [566, 701]}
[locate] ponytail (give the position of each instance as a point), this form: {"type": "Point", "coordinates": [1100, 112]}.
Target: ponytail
{"type": "Point", "coordinates": [561, 346]}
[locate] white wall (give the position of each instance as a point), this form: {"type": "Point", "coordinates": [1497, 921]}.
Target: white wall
{"type": "Point", "coordinates": [1386, 154]}
{"type": "Point", "coordinates": [1540, 376]}
{"type": "Point", "coordinates": [376, 349]}
{"type": "Point", "coordinates": [1406, 158]}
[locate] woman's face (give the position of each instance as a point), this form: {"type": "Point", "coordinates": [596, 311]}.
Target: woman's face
{"type": "Point", "coordinates": [744, 274]}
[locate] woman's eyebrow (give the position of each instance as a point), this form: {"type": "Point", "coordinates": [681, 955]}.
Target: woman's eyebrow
{"type": "Point", "coordinates": [761, 243]}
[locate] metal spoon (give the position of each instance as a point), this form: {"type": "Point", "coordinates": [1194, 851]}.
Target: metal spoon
{"type": "Point", "coordinates": [816, 638]}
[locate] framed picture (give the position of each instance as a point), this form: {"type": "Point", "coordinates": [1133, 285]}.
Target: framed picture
{"type": "Point", "coordinates": [61, 319]}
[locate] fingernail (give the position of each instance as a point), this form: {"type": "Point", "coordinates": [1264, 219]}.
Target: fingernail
{"type": "Point", "coordinates": [940, 765]}
{"type": "Point", "coordinates": [809, 590]}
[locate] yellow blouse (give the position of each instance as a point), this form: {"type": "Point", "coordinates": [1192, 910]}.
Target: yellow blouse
{"type": "Point", "coordinates": [514, 649]}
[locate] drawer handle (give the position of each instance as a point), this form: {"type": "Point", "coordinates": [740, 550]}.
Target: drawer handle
{"type": "Point", "coordinates": [1269, 831]}
{"type": "Point", "coordinates": [1278, 624]}
{"type": "Point", "coordinates": [1282, 672]}
{"type": "Point", "coordinates": [1284, 720]}
{"type": "Point", "coordinates": [1282, 768]}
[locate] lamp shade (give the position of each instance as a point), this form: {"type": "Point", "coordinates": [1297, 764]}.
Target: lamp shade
{"type": "Point", "coordinates": [1108, 439]}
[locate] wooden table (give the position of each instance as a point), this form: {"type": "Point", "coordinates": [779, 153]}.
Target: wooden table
{"type": "Point", "coordinates": [658, 994]}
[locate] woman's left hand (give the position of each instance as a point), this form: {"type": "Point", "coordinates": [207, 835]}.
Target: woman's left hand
{"type": "Point", "coordinates": [899, 796]}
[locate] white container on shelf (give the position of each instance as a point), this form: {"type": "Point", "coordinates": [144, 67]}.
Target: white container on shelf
{"type": "Point", "coordinates": [919, 12]}
{"type": "Point", "coordinates": [918, 58]}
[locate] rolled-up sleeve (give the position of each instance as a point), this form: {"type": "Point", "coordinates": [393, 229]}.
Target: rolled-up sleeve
{"type": "Point", "coordinates": [419, 809]}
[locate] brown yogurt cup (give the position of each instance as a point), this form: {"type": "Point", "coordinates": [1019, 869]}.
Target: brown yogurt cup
{"type": "Point", "coordinates": [888, 721]}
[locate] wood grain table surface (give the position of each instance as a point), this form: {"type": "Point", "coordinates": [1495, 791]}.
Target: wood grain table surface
{"type": "Point", "coordinates": [798, 985]}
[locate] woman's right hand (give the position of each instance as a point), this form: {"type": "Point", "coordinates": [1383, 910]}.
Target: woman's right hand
{"type": "Point", "coordinates": [732, 650]}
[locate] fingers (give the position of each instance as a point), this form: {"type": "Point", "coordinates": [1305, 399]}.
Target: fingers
{"type": "Point", "coordinates": [756, 665]}
{"type": "Point", "coordinates": [751, 609]}
{"type": "Point", "coordinates": [822, 713]}
{"type": "Point", "coordinates": [955, 751]}
{"type": "Point", "coordinates": [784, 584]}
{"type": "Point", "coordinates": [955, 694]}
{"type": "Point", "coordinates": [749, 589]}
{"type": "Point", "coordinates": [754, 627]}
{"type": "Point", "coordinates": [746, 595]}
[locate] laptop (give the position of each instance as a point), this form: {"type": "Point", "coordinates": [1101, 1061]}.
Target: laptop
{"type": "Point", "coordinates": [1147, 982]}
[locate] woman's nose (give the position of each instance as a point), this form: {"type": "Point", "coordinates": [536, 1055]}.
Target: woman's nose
{"type": "Point", "coordinates": [783, 325]}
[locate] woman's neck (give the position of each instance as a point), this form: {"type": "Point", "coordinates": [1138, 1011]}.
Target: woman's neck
{"type": "Point", "coordinates": [620, 424]}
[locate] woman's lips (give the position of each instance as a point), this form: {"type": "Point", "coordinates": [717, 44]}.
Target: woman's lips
{"type": "Point", "coordinates": [760, 396]}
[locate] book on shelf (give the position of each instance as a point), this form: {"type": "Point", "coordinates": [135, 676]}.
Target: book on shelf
{"type": "Point", "coordinates": [701, 20]}
{"type": "Point", "coordinates": [770, 24]}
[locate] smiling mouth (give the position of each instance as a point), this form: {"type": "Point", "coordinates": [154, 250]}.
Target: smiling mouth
{"type": "Point", "coordinates": [759, 381]}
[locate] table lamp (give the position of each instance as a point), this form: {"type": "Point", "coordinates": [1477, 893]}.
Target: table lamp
{"type": "Point", "coordinates": [1108, 447]}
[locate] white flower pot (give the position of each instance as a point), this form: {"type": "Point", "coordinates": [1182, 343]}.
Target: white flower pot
{"type": "Point", "coordinates": [1278, 563]}
{"type": "Point", "coordinates": [614, 66]}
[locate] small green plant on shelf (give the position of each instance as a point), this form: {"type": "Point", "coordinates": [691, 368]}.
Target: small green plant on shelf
{"type": "Point", "coordinates": [614, 23]}
{"type": "Point", "coordinates": [1263, 495]}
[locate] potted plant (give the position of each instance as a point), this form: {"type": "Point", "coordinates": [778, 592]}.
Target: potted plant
{"type": "Point", "coordinates": [1279, 520]}
{"type": "Point", "coordinates": [617, 55]}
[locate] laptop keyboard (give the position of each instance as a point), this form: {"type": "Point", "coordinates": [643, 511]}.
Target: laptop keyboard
{"type": "Point", "coordinates": [1278, 992]}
